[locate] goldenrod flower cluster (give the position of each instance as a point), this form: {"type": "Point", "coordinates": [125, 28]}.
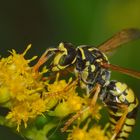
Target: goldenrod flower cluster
{"type": "Point", "coordinates": [94, 133]}
{"type": "Point", "coordinates": [20, 89]}
{"type": "Point", "coordinates": [27, 94]}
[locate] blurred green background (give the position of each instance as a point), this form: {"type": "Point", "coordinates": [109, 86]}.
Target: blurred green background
{"type": "Point", "coordinates": [45, 23]}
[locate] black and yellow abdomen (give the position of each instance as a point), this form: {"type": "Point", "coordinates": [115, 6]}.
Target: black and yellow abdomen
{"type": "Point", "coordinates": [122, 105]}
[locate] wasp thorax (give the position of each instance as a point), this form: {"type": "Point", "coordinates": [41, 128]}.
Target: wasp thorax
{"type": "Point", "coordinates": [88, 65]}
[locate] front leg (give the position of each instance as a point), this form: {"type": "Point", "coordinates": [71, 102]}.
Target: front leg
{"type": "Point", "coordinates": [46, 55]}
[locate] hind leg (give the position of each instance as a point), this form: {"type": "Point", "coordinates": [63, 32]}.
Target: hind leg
{"type": "Point", "coordinates": [96, 92]}
{"type": "Point", "coordinates": [120, 121]}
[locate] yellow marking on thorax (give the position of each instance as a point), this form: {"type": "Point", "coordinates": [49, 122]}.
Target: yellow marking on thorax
{"type": "Point", "coordinates": [87, 63]}
{"type": "Point", "coordinates": [93, 68]}
{"type": "Point", "coordinates": [103, 77]}
{"type": "Point", "coordinates": [105, 56]}
{"type": "Point", "coordinates": [91, 49]}
{"type": "Point", "coordinates": [82, 53]}
{"type": "Point", "coordinates": [85, 73]}
{"type": "Point", "coordinates": [91, 65]}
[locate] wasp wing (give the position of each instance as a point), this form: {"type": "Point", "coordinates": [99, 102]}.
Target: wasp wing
{"type": "Point", "coordinates": [122, 37]}
{"type": "Point", "coordinates": [126, 71]}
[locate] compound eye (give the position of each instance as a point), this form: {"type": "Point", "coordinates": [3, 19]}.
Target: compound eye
{"type": "Point", "coordinates": [66, 60]}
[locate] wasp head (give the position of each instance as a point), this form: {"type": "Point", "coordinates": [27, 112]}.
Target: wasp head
{"type": "Point", "coordinates": [64, 57]}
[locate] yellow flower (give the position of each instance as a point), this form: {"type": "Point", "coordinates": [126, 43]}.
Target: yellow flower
{"type": "Point", "coordinates": [37, 107]}
{"type": "Point", "coordinates": [4, 95]}
{"type": "Point", "coordinates": [93, 133]}
{"type": "Point", "coordinates": [19, 113]}
{"type": "Point", "coordinates": [17, 75]}
{"type": "Point", "coordinates": [97, 133]}
{"type": "Point", "coordinates": [75, 102]}
{"type": "Point", "coordinates": [58, 88]}
{"type": "Point", "coordinates": [77, 134]}
{"type": "Point", "coordinates": [22, 88]}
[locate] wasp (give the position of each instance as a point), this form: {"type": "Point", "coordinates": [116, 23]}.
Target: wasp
{"type": "Point", "coordinates": [93, 70]}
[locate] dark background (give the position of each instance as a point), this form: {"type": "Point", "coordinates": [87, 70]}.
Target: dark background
{"type": "Point", "coordinates": [45, 23]}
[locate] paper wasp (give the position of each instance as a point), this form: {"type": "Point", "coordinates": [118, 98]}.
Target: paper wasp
{"type": "Point", "coordinates": [92, 69]}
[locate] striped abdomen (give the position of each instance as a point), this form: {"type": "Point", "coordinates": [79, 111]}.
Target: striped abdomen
{"type": "Point", "coordinates": [116, 96]}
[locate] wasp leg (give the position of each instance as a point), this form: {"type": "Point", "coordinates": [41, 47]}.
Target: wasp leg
{"type": "Point", "coordinates": [70, 85]}
{"type": "Point", "coordinates": [80, 112]}
{"type": "Point", "coordinates": [120, 121]}
{"type": "Point", "coordinates": [73, 118]}
{"type": "Point", "coordinates": [63, 91]}
{"type": "Point", "coordinates": [97, 90]}
{"type": "Point", "coordinates": [62, 73]}
{"type": "Point", "coordinates": [44, 58]}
